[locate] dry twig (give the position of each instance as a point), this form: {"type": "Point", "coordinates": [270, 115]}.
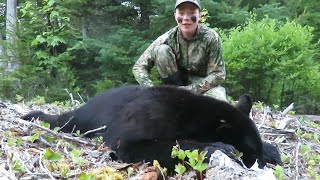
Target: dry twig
{"type": "Point", "coordinates": [75, 139]}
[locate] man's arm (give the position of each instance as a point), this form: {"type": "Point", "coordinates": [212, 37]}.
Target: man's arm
{"type": "Point", "coordinates": [141, 70]}
{"type": "Point", "coordinates": [216, 73]}
{"type": "Point", "coordinates": [143, 66]}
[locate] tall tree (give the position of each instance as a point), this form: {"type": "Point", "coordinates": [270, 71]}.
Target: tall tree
{"type": "Point", "coordinates": [2, 64]}
{"type": "Point", "coordinates": [11, 27]}
{"type": "Point", "coordinates": [2, 14]}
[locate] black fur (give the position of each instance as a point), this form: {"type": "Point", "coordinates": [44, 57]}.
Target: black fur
{"type": "Point", "coordinates": [271, 154]}
{"type": "Point", "coordinates": [180, 78]}
{"type": "Point", "coordinates": [244, 104]}
{"type": "Point", "coordinates": [144, 123]}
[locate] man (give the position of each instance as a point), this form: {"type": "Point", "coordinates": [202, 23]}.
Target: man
{"type": "Point", "coordinates": [188, 55]}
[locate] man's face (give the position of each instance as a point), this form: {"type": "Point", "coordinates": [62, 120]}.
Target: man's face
{"type": "Point", "coordinates": [187, 16]}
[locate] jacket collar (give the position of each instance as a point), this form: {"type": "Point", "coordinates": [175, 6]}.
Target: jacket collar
{"type": "Point", "coordinates": [196, 36]}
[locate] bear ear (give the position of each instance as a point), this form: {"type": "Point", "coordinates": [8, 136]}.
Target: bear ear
{"type": "Point", "coordinates": [245, 104]}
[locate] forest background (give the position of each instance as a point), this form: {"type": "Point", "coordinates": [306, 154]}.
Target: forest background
{"type": "Point", "coordinates": [270, 47]}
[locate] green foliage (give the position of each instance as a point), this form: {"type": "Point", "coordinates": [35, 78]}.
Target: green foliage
{"type": "Point", "coordinates": [180, 169]}
{"type": "Point", "coordinates": [34, 137]}
{"type": "Point", "coordinates": [271, 60]}
{"type": "Point", "coordinates": [45, 124]}
{"type": "Point", "coordinates": [51, 155]}
{"type": "Point", "coordinates": [118, 54]}
{"type": "Point", "coordinates": [44, 48]}
{"type": "Point", "coordinates": [87, 176]}
{"type": "Point", "coordinates": [17, 166]}
{"type": "Point", "coordinates": [38, 100]}
{"type": "Point", "coordinates": [54, 55]}
{"type": "Point", "coordinates": [9, 86]}
{"type": "Point", "coordinates": [311, 158]}
{"type": "Point", "coordinates": [279, 172]}
{"type": "Point", "coordinates": [204, 17]}
{"type": "Point", "coordinates": [272, 10]}
{"type": "Point", "coordinates": [103, 85]}
{"type": "Point", "coordinates": [76, 157]}
{"type": "Point", "coordinates": [77, 133]}
{"type": "Point", "coordinates": [162, 18]}
{"type": "Point", "coordinates": [14, 141]}
{"type": "Point", "coordinates": [225, 14]}
{"type": "Point", "coordinates": [99, 140]}
{"type": "Point", "coordinates": [194, 159]}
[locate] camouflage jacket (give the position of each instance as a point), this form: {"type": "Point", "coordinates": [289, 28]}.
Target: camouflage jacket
{"type": "Point", "coordinates": [200, 56]}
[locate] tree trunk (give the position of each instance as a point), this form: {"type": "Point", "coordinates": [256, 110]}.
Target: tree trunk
{"type": "Point", "coordinates": [11, 25]}
{"type": "Point", "coordinates": [85, 27]}
{"type": "Point", "coordinates": [3, 64]}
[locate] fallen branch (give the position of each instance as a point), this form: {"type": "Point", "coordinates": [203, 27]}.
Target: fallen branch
{"type": "Point", "coordinates": [289, 108]}
{"type": "Point", "coordinates": [75, 139]}
{"type": "Point", "coordinates": [95, 130]}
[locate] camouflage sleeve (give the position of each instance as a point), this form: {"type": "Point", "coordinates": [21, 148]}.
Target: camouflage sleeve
{"type": "Point", "coordinates": [216, 73]}
{"type": "Point", "coordinates": [144, 64]}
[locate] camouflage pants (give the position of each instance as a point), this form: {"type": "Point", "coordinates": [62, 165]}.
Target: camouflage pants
{"type": "Point", "coordinates": [165, 61]}
{"type": "Point", "coordinates": [166, 65]}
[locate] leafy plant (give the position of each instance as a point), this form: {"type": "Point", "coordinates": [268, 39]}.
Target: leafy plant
{"type": "Point", "coordinates": [34, 137]}
{"type": "Point", "coordinates": [180, 169]}
{"type": "Point", "coordinates": [51, 155]}
{"type": "Point", "coordinates": [195, 160]}
{"type": "Point", "coordinates": [311, 158]}
{"type": "Point", "coordinates": [17, 166]}
{"type": "Point", "coordinates": [279, 172]}
{"type": "Point", "coordinates": [77, 133]}
{"type": "Point", "coordinates": [12, 141]}
{"type": "Point", "coordinates": [76, 157]}
{"type": "Point", "coordinates": [272, 60]}
{"type": "Point", "coordinates": [38, 100]}
{"type": "Point", "coordinates": [87, 176]}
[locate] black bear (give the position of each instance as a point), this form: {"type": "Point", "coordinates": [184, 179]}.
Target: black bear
{"type": "Point", "coordinates": [143, 123]}
{"type": "Point", "coordinates": [180, 78]}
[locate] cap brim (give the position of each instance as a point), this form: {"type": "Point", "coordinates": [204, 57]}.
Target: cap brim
{"type": "Point", "coordinates": [178, 4]}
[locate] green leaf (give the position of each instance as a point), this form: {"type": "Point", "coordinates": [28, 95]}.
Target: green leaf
{"type": "Point", "coordinates": [201, 167]}
{"type": "Point", "coordinates": [76, 153]}
{"type": "Point", "coordinates": [65, 172]}
{"type": "Point", "coordinates": [34, 137]}
{"type": "Point", "coordinates": [56, 129]}
{"type": "Point", "coordinates": [17, 166]}
{"type": "Point", "coordinates": [180, 169]}
{"type": "Point", "coordinates": [51, 2]}
{"type": "Point", "coordinates": [312, 162]}
{"type": "Point", "coordinates": [11, 141]}
{"type": "Point", "coordinates": [304, 149]}
{"type": "Point", "coordinates": [50, 155]}
{"type": "Point", "coordinates": [307, 135]}
{"type": "Point", "coordinates": [54, 14]}
{"type": "Point", "coordinates": [193, 155]}
{"type": "Point", "coordinates": [87, 176]}
{"type": "Point", "coordinates": [278, 172]}
{"type": "Point", "coordinates": [39, 39]}
{"type": "Point", "coordinates": [45, 124]}
{"type": "Point", "coordinates": [42, 55]}
{"type": "Point", "coordinates": [55, 40]}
